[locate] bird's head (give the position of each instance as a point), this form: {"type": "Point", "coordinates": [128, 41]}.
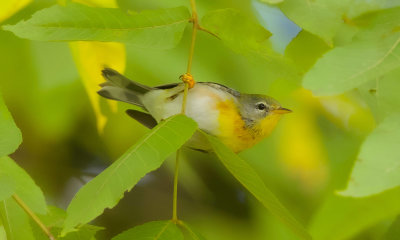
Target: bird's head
{"type": "Point", "coordinates": [260, 110]}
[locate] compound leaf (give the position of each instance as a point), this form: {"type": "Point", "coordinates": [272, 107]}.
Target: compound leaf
{"type": "Point", "coordinates": [105, 190]}
{"type": "Point", "coordinates": [160, 28]}
{"type": "Point", "coordinates": [249, 178]}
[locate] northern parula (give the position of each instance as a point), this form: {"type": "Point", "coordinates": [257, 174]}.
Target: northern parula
{"type": "Point", "coordinates": [239, 120]}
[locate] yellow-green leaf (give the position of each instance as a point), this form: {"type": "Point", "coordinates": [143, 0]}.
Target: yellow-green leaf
{"type": "Point", "coordinates": [90, 59]}
{"type": "Point", "coordinates": [10, 7]}
{"type": "Point", "coordinates": [99, 3]}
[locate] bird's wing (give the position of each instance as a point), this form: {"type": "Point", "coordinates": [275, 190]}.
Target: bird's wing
{"type": "Point", "coordinates": [167, 86]}
{"type": "Point", "coordinates": [222, 88]}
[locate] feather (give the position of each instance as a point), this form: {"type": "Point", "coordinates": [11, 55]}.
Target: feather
{"type": "Point", "coordinates": [144, 118]}
{"type": "Point", "coordinates": [120, 80]}
{"type": "Point", "coordinates": [120, 94]}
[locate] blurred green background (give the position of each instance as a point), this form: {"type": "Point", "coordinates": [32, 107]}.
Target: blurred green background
{"type": "Point", "coordinates": [306, 159]}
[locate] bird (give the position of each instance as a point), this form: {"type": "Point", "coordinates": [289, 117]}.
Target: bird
{"type": "Point", "coordinates": [237, 119]}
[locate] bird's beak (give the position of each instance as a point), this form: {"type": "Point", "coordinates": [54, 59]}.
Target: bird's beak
{"type": "Point", "coordinates": [281, 110]}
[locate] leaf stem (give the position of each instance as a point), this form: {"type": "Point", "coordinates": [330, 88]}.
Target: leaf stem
{"type": "Point", "coordinates": [195, 22]}
{"type": "Point", "coordinates": [31, 214]}
{"type": "Point", "coordinates": [189, 82]}
{"type": "Point", "coordinates": [175, 196]}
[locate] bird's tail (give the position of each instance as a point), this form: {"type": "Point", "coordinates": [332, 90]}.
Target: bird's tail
{"type": "Point", "coordinates": [120, 88]}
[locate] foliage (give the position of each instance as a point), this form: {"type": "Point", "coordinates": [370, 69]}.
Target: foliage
{"type": "Point", "coordinates": [343, 217]}
{"type": "Point", "coordinates": [394, 230]}
{"type": "Point", "coordinates": [250, 179]}
{"type": "Point", "coordinates": [147, 155]}
{"type": "Point", "coordinates": [347, 67]}
{"type": "Point", "coordinates": [8, 128]}
{"type": "Point", "coordinates": [340, 75]}
{"type": "Point", "coordinates": [157, 29]}
{"type": "Point", "coordinates": [369, 176]}
{"type": "Point", "coordinates": [162, 230]}
{"type": "Point", "coordinates": [22, 184]}
{"type": "Point", "coordinates": [11, 7]}
{"type": "Point", "coordinates": [249, 38]}
{"type": "Point", "coordinates": [90, 58]}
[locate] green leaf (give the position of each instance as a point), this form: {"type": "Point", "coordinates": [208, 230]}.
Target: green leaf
{"type": "Point", "coordinates": [272, 2]}
{"type": "Point", "coordinates": [15, 221]}
{"type": "Point", "coordinates": [320, 17]}
{"type": "Point", "coordinates": [54, 217]}
{"type": "Point", "coordinates": [382, 94]}
{"type": "Point", "coordinates": [325, 18]}
{"type": "Point", "coordinates": [345, 68]}
{"type": "Point", "coordinates": [24, 186]}
{"type": "Point", "coordinates": [377, 167]}
{"type": "Point", "coordinates": [160, 28]}
{"type": "Point", "coordinates": [193, 234]}
{"type": "Point", "coordinates": [54, 220]}
{"type": "Point", "coordinates": [236, 30]}
{"type": "Point", "coordinates": [7, 187]}
{"type": "Point", "coordinates": [374, 52]}
{"type": "Point", "coordinates": [105, 190]}
{"type": "Point", "coordinates": [357, 7]}
{"type": "Point", "coordinates": [394, 231]}
{"type": "Point", "coordinates": [157, 230]}
{"type": "Point", "coordinates": [305, 49]}
{"type": "Point", "coordinates": [19, 182]}
{"type": "Point", "coordinates": [11, 136]}
{"type": "Point", "coordinates": [3, 234]}
{"type": "Point", "coordinates": [344, 217]}
{"type": "Point", "coordinates": [248, 38]}
{"type": "Point", "coordinates": [86, 232]}
{"type": "Point", "coordinates": [249, 178]}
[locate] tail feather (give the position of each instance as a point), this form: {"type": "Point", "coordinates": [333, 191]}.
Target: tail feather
{"type": "Point", "coordinates": [120, 88]}
{"type": "Point", "coordinates": [120, 94]}
{"type": "Point", "coordinates": [144, 118]}
{"type": "Point", "coordinates": [121, 81]}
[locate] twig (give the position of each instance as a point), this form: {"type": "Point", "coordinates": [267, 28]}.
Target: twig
{"type": "Point", "coordinates": [189, 83]}
{"type": "Point", "coordinates": [31, 214]}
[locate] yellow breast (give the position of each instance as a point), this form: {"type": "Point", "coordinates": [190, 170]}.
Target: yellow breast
{"type": "Point", "coordinates": [234, 133]}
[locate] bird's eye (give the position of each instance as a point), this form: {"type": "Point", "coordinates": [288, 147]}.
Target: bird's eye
{"type": "Point", "coordinates": [261, 106]}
